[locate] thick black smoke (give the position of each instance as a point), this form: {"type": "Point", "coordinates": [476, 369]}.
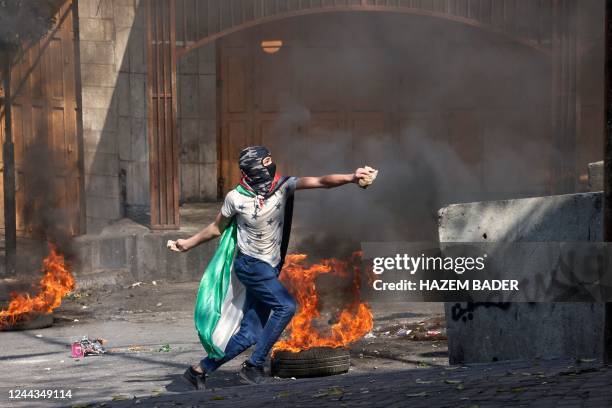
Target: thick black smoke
{"type": "Point", "coordinates": [46, 214]}
{"type": "Point", "coordinates": [457, 74]}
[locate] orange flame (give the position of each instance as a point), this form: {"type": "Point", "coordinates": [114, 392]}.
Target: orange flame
{"type": "Point", "coordinates": [54, 285]}
{"type": "Point", "coordinates": [352, 323]}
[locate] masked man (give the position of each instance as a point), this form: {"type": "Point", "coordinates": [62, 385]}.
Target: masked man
{"type": "Point", "coordinates": [241, 302]}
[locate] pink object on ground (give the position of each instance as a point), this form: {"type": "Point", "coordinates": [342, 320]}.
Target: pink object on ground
{"type": "Point", "coordinates": [76, 350]}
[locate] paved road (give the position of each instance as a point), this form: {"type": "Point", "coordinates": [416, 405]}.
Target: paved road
{"type": "Point", "coordinates": [139, 321]}
{"type": "Point", "coordinates": [542, 384]}
{"type": "Point", "coordinates": [387, 371]}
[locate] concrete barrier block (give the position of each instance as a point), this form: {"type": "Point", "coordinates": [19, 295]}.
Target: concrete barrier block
{"type": "Point", "coordinates": [484, 332]}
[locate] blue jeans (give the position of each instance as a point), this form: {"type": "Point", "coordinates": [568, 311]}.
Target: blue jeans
{"type": "Point", "coordinates": [264, 294]}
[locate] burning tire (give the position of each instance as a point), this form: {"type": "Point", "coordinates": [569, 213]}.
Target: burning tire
{"type": "Point", "coordinates": [31, 322]}
{"type": "Point", "coordinates": [315, 362]}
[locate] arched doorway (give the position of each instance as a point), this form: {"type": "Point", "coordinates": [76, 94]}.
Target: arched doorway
{"type": "Point", "coordinates": [178, 27]}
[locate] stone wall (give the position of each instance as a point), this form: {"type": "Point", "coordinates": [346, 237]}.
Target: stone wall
{"type": "Point", "coordinates": [197, 124]}
{"type": "Point", "coordinates": [113, 70]}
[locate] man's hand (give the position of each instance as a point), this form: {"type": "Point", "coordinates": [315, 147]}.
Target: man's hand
{"type": "Point", "coordinates": [211, 231]}
{"type": "Point", "coordinates": [360, 174]}
{"type": "Point", "coordinates": [180, 245]}
{"type": "Point", "coordinates": [365, 176]}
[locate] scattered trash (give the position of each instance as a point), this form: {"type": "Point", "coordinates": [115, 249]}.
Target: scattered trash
{"type": "Point", "coordinates": [76, 351]}
{"type": "Point", "coordinates": [164, 349]}
{"type": "Point", "coordinates": [86, 347]}
{"type": "Point", "coordinates": [159, 304]}
{"type": "Point", "coordinates": [39, 335]}
{"type": "Point", "coordinates": [370, 335]}
{"type": "Point", "coordinates": [75, 320]}
{"type": "Point", "coordinates": [48, 368]}
{"type": "Point", "coordinates": [154, 283]}
{"type": "Point", "coordinates": [84, 307]}
{"type": "Point", "coordinates": [404, 332]}
{"type": "Point", "coordinates": [136, 284]}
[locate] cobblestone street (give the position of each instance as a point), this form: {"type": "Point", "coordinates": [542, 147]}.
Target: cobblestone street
{"type": "Point", "coordinates": [554, 383]}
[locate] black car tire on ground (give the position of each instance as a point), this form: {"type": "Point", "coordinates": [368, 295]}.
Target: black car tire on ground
{"type": "Point", "coordinates": [33, 322]}
{"type": "Point", "coordinates": [315, 362]}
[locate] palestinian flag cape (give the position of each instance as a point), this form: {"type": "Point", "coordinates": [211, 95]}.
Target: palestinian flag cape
{"type": "Point", "coordinates": [221, 296]}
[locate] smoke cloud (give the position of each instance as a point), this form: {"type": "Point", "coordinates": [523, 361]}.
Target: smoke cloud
{"type": "Point", "coordinates": [466, 117]}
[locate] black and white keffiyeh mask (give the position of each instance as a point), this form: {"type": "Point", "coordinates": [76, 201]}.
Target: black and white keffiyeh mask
{"type": "Point", "coordinates": [255, 174]}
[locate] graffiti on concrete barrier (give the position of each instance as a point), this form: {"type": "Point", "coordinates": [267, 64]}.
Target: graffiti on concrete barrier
{"type": "Point", "coordinates": [467, 313]}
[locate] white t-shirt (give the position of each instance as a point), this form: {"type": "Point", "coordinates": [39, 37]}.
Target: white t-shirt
{"type": "Point", "coordinates": [260, 230]}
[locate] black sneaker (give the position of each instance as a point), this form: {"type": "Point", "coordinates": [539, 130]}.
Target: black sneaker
{"type": "Point", "coordinates": [194, 378]}
{"type": "Point", "coordinates": [252, 374]}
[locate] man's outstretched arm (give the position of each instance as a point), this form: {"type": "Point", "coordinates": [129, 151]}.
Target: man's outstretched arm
{"type": "Point", "coordinates": [211, 231]}
{"type": "Point", "coordinates": [331, 180]}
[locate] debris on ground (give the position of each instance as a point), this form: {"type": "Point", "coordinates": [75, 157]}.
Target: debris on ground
{"type": "Point", "coordinates": [87, 347]}
{"type": "Point", "coordinates": [426, 330]}
{"type": "Point", "coordinates": [403, 332]}
{"type": "Point", "coordinates": [165, 348]}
